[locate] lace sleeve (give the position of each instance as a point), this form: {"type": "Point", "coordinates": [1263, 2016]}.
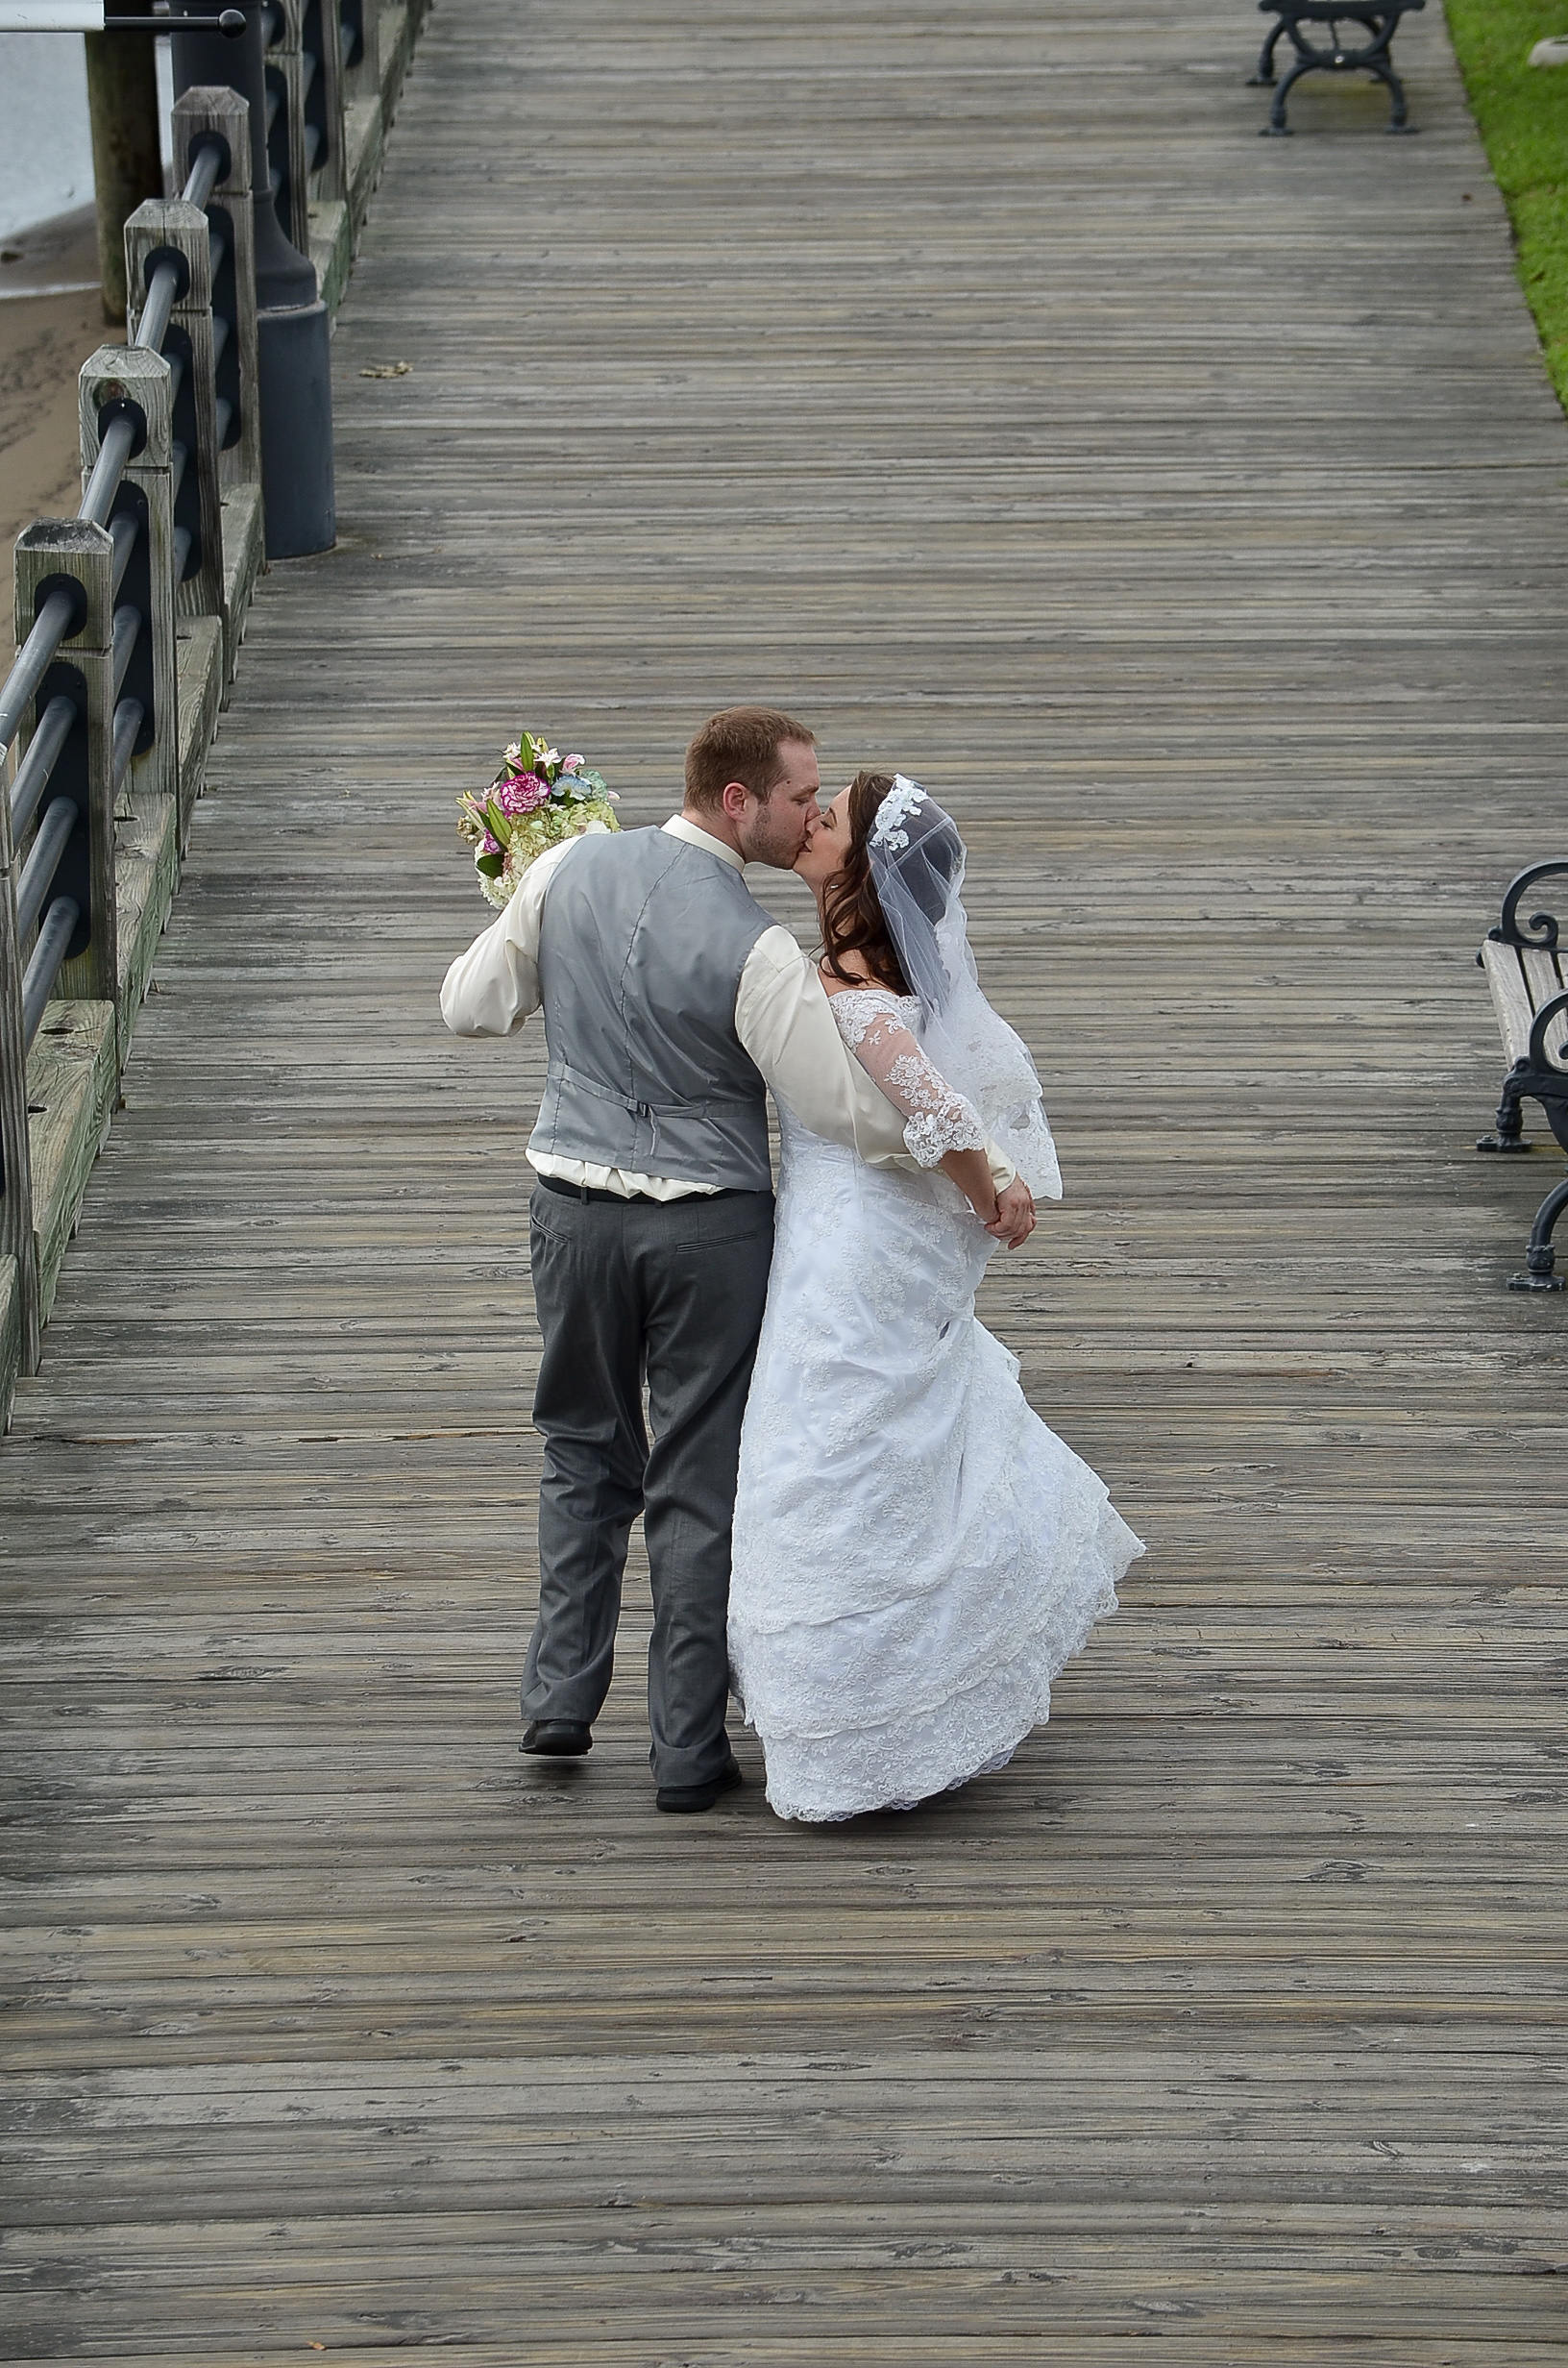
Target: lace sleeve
{"type": "Point", "coordinates": [939, 1119]}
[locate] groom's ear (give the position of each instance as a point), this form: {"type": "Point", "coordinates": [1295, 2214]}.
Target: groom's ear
{"type": "Point", "coordinates": [736, 800]}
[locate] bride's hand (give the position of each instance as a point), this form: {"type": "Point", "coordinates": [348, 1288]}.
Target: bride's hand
{"type": "Point", "coordinates": [1008, 1215]}
{"type": "Point", "coordinates": [1014, 1218]}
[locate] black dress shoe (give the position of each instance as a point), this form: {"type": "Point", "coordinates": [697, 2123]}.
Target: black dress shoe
{"type": "Point", "coordinates": [686, 1800]}
{"type": "Point", "coordinates": [556, 1738]}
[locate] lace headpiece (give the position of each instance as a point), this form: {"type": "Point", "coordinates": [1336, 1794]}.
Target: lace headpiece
{"type": "Point", "coordinates": [917, 862]}
{"type": "Point", "coordinates": [904, 798]}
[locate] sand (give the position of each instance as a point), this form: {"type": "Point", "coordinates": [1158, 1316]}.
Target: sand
{"type": "Point", "coordinates": [44, 339]}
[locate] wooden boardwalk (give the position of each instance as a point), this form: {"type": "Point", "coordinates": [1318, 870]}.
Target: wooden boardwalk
{"type": "Point", "coordinates": [1188, 509]}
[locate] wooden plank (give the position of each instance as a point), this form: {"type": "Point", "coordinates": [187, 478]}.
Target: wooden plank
{"type": "Point", "coordinates": [331, 249]}
{"type": "Point", "coordinates": [400, 22]}
{"type": "Point", "coordinates": [146, 875]}
{"type": "Point", "coordinates": [1543, 979]}
{"type": "Point", "coordinates": [244, 556]}
{"type": "Point", "coordinates": [11, 1337]}
{"type": "Point", "coordinates": [199, 648]}
{"type": "Point", "coordinates": [904, 2350]}
{"type": "Point", "coordinates": [71, 1083]}
{"type": "Point", "coordinates": [1512, 998]}
{"type": "Point", "coordinates": [364, 136]}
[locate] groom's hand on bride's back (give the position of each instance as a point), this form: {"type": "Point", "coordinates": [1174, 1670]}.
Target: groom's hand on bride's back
{"type": "Point", "coordinates": [1014, 1218]}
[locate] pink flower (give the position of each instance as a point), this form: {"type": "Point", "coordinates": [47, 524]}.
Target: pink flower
{"type": "Point", "coordinates": [521, 794]}
{"type": "Point", "coordinates": [573, 764]}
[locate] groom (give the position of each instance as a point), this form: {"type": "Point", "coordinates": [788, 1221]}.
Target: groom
{"type": "Point", "coordinates": [673, 1003]}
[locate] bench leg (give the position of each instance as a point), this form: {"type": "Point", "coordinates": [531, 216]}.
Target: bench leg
{"type": "Point", "coordinates": [1276, 127]}
{"type": "Point", "coordinates": [1372, 58]}
{"type": "Point", "coordinates": [1510, 1126]}
{"type": "Point", "coordinates": [1263, 79]}
{"type": "Point", "coordinates": [1384, 73]}
{"type": "Point", "coordinates": [1539, 1257]}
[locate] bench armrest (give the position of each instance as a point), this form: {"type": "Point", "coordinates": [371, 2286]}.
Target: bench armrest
{"type": "Point", "coordinates": [1545, 1021]}
{"type": "Point", "coordinates": [1542, 929]}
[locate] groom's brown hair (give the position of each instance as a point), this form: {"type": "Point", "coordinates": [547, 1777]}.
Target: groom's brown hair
{"type": "Point", "coordinates": [740, 744]}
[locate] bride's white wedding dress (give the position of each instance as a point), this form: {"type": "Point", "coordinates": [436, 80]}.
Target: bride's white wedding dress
{"type": "Point", "coordinates": [916, 1554]}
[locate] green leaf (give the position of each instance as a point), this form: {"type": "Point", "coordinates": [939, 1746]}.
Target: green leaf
{"type": "Point", "coordinates": [492, 866]}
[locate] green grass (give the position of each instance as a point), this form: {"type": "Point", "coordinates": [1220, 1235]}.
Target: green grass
{"type": "Point", "coordinates": [1522, 112]}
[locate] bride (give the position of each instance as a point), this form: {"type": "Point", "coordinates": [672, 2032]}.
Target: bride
{"type": "Point", "coordinates": [915, 1555]}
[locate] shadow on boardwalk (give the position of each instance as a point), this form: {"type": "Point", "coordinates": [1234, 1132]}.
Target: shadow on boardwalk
{"type": "Point", "coordinates": [1187, 510]}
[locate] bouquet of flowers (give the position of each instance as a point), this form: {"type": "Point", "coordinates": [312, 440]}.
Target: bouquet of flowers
{"type": "Point", "coordinates": [538, 799]}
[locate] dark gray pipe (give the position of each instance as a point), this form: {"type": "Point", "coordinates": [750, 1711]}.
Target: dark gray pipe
{"type": "Point", "coordinates": [57, 618]}
{"type": "Point", "coordinates": [38, 871]}
{"type": "Point", "coordinates": [297, 492]}
{"type": "Point", "coordinates": [108, 469]}
{"type": "Point", "coordinates": [43, 754]}
{"type": "Point", "coordinates": [127, 717]}
{"type": "Point", "coordinates": [292, 329]}
{"type": "Point", "coordinates": [58, 931]}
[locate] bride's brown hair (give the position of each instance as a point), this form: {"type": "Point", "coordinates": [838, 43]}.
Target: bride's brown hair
{"type": "Point", "coordinates": [852, 919]}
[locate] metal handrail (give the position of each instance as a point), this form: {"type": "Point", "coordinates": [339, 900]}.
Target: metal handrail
{"type": "Point", "coordinates": [127, 717]}
{"type": "Point", "coordinates": [107, 470]}
{"type": "Point", "coordinates": [54, 620]}
{"type": "Point", "coordinates": [124, 532]}
{"type": "Point", "coordinates": [33, 660]}
{"type": "Point", "coordinates": [202, 180]}
{"type": "Point", "coordinates": [42, 754]}
{"type": "Point", "coordinates": [39, 871]}
{"type": "Point", "coordinates": [128, 623]}
{"type": "Point", "coordinates": [39, 981]}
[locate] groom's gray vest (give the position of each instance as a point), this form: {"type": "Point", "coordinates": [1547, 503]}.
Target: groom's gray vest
{"type": "Point", "coordinates": [642, 943]}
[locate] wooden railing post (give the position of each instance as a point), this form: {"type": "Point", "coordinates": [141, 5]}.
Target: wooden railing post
{"type": "Point", "coordinates": [17, 1238]}
{"type": "Point", "coordinates": [153, 232]}
{"type": "Point", "coordinates": [199, 113]}
{"type": "Point", "coordinates": [304, 65]}
{"type": "Point", "coordinates": [115, 376]}
{"type": "Point", "coordinates": [322, 33]}
{"type": "Point", "coordinates": [362, 20]}
{"type": "Point", "coordinates": [68, 550]}
{"type": "Point", "coordinates": [285, 129]}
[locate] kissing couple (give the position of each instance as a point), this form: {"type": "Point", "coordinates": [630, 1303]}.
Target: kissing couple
{"type": "Point", "coordinates": [854, 1519]}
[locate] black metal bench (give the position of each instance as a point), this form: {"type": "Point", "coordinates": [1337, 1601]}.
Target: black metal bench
{"type": "Point", "coordinates": [1378, 22]}
{"type": "Point", "coordinates": [1527, 969]}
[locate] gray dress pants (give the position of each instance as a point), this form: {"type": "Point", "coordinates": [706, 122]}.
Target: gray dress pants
{"type": "Point", "coordinates": [671, 1292]}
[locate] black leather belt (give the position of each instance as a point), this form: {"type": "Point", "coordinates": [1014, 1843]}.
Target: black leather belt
{"type": "Point", "coordinates": [647, 1200]}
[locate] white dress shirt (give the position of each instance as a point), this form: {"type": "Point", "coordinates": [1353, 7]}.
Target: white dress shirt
{"type": "Point", "coordinates": [782, 1018]}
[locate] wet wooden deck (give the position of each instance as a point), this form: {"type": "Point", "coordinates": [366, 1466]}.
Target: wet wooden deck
{"type": "Point", "coordinates": [1189, 511]}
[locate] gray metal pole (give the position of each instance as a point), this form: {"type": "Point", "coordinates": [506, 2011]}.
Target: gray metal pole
{"type": "Point", "coordinates": [293, 332]}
